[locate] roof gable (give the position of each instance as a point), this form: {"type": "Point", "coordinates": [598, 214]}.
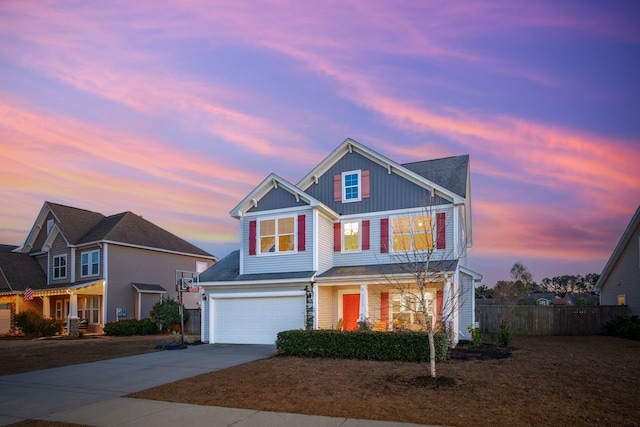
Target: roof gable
{"type": "Point", "coordinates": [274, 182]}
{"type": "Point", "coordinates": [620, 248]}
{"type": "Point", "coordinates": [349, 146]}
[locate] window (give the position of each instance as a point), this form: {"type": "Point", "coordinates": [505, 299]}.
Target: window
{"type": "Point", "coordinates": [406, 310]}
{"type": "Point", "coordinates": [412, 233]}
{"type": "Point", "coordinates": [201, 266]}
{"type": "Point", "coordinates": [622, 300]}
{"type": "Point", "coordinates": [49, 226]}
{"type": "Point", "coordinates": [89, 309]}
{"type": "Point", "coordinates": [351, 186]}
{"type": "Point", "coordinates": [277, 235]}
{"type": "Point", "coordinates": [90, 263]}
{"type": "Point", "coordinates": [351, 236]}
{"type": "Point", "coordinates": [59, 312]}
{"type": "Point", "coordinates": [60, 266]}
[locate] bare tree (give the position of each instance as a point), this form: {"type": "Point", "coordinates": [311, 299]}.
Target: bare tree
{"type": "Point", "coordinates": [422, 270]}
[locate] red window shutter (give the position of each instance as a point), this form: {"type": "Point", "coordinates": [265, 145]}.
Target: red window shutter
{"type": "Point", "coordinates": [337, 188]}
{"type": "Point", "coordinates": [366, 185]}
{"type": "Point", "coordinates": [336, 237]}
{"type": "Point", "coordinates": [384, 235]}
{"type": "Point", "coordinates": [384, 308]}
{"type": "Point", "coordinates": [252, 237]}
{"type": "Point", "coordinates": [439, 298]}
{"type": "Point", "coordinates": [302, 232]}
{"type": "Point", "coordinates": [441, 226]}
{"type": "Point", "coordinates": [365, 235]}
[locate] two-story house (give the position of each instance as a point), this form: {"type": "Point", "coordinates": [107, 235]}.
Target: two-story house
{"type": "Point", "coordinates": [338, 248]}
{"type": "Point", "coordinates": [81, 265]}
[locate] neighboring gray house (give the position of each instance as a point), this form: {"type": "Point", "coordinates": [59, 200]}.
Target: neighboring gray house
{"type": "Point", "coordinates": [329, 249]}
{"type": "Point", "coordinates": [619, 283]}
{"type": "Point", "coordinates": [83, 265]}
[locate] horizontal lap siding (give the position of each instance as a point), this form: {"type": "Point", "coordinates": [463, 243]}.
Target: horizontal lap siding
{"type": "Point", "coordinates": [325, 308]}
{"type": "Point", "coordinates": [278, 263]}
{"type": "Point", "coordinates": [325, 243]}
{"type": "Point", "coordinates": [374, 256]}
{"type": "Point", "coordinates": [465, 312]}
{"type": "Point", "coordinates": [625, 277]}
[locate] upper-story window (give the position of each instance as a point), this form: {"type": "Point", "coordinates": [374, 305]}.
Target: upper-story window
{"type": "Point", "coordinates": [412, 233]}
{"type": "Point", "coordinates": [90, 263]}
{"type": "Point", "coordinates": [277, 235]}
{"type": "Point", "coordinates": [351, 186]}
{"type": "Point", "coordinates": [60, 266]}
{"type": "Point", "coordinates": [49, 226]}
{"type": "Point", "coordinates": [351, 236]}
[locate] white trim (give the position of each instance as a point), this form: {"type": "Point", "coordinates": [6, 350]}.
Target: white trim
{"type": "Point", "coordinates": [316, 238]}
{"type": "Point", "coordinates": [344, 186]}
{"type": "Point", "coordinates": [351, 251]}
{"type": "Point", "coordinates": [90, 263]}
{"type": "Point", "coordinates": [240, 295]}
{"type": "Point", "coordinates": [248, 237]}
{"type": "Point", "coordinates": [399, 212]}
{"type": "Point", "coordinates": [53, 267]}
{"type": "Point", "coordinates": [277, 252]}
{"type": "Point", "coordinates": [277, 212]}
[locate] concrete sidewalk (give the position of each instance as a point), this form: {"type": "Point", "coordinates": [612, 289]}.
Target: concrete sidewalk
{"type": "Point", "coordinates": [91, 393]}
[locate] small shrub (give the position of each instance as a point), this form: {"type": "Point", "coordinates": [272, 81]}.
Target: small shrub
{"type": "Point", "coordinates": [129, 327]}
{"type": "Point", "coordinates": [166, 314]}
{"type": "Point", "coordinates": [33, 323]}
{"type": "Point", "coordinates": [504, 335]}
{"type": "Point", "coordinates": [624, 327]}
{"type": "Point", "coordinates": [476, 335]}
{"type": "Point", "coordinates": [370, 345]}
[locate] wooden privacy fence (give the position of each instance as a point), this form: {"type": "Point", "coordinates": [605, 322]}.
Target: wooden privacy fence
{"type": "Point", "coordinates": [552, 320]}
{"type": "Point", "coordinates": [192, 325]}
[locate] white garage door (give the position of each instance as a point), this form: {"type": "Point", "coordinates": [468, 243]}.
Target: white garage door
{"type": "Point", "coordinates": [255, 320]}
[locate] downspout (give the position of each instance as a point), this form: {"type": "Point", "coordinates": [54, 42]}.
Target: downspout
{"type": "Point", "coordinates": [105, 268]}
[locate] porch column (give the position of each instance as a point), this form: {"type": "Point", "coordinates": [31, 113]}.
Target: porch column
{"type": "Point", "coordinates": [364, 304]}
{"type": "Point", "coordinates": [72, 319]}
{"type": "Point", "coordinates": [46, 307]}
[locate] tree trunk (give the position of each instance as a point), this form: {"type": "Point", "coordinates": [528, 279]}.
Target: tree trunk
{"type": "Point", "coordinates": [432, 354]}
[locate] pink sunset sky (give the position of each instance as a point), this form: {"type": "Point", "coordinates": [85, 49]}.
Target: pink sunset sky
{"type": "Point", "coordinates": [176, 110]}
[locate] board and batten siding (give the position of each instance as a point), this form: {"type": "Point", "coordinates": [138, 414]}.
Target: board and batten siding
{"type": "Point", "coordinates": [278, 263]}
{"type": "Point", "coordinates": [374, 254]}
{"type": "Point", "coordinates": [277, 198]}
{"type": "Point", "coordinates": [387, 191]}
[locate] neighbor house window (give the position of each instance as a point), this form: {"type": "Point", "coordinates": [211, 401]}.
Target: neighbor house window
{"type": "Point", "coordinates": [351, 191]}
{"type": "Point", "coordinates": [90, 263]}
{"type": "Point", "coordinates": [351, 236]}
{"type": "Point", "coordinates": [60, 266]}
{"type": "Point", "coordinates": [412, 233]}
{"type": "Point", "coordinates": [89, 309]}
{"type": "Point", "coordinates": [49, 226]}
{"type": "Point", "coordinates": [622, 300]}
{"type": "Point", "coordinates": [277, 235]}
{"type": "Point", "coordinates": [201, 266]}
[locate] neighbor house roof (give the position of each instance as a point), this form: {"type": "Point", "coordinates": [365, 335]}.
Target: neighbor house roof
{"type": "Point", "coordinates": [19, 271]}
{"type": "Point", "coordinates": [622, 244]}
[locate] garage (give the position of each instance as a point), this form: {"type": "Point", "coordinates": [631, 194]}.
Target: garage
{"type": "Point", "coordinates": [255, 319]}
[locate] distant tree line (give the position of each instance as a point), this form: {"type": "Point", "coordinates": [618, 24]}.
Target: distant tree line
{"type": "Point", "coordinates": [521, 283]}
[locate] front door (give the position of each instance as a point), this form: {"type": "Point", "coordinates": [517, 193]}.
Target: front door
{"type": "Point", "coordinates": [350, 311]}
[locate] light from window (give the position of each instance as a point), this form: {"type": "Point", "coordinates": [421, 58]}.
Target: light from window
{"type": "Point", "coordinates": [89, 309]}
{"type": "Point", "coordinates": [277, 235]}
{"type": "Point", "coordinates": [351, 236]}
{"type": "Point", "coordinates": [622, 300]}
{"type": "Point", "coordinates": [351, 186]}
{"type": "Point", "coordinates": [412, 233]}
{"type": "Point", "coordinates": [60, 266]}
{"type": "Point", "coordinates": [90, 263]}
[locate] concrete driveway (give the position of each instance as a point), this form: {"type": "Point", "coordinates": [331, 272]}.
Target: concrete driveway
{"type": "Point", "coordinates": [41, 393]}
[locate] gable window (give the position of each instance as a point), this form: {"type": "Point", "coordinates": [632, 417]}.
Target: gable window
{"type": "Point", "coordinates": [351, 236]}
{"type": "Point", "coordinates": [60, 266]}
{"type": "Point", "coordinates": [351, 186]}
{"type": "Point", "coordinates": [412, 233]}
{"type": "Point", "coordinates": [90, 263]}
{"type": "Point", "coordinates": [277, 235]}
{"type": "Point", "coordinates": [49, 226]}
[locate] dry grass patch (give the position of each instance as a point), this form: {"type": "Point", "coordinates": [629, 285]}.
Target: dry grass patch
{"type": "Point", "coordinates": [547, 381]}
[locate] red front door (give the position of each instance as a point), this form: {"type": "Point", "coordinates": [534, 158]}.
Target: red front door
{"type": "Point", "coordinates": [350, 311]}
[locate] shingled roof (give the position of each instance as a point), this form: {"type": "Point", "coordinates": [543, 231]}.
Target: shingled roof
{"type": "Point", "coordinates": [228, 270]}
{"type": "Point", "coordinates": [448, 172]}
{"type": "Point", "coordinates": [74, 223]}
{"type": "Point", "coordinates": [19, 271]}
{"type": "Point", "coordinates": [132, 229]}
